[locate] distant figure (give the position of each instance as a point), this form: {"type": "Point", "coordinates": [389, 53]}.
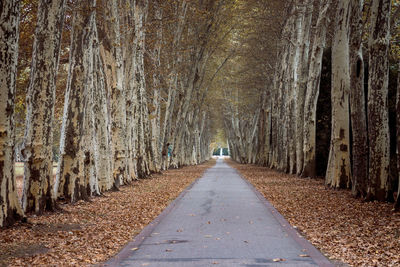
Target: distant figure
{"type": "Point", "coordinates": [165, 150]}
{"type": "Point", "coordinates": [169, 150]}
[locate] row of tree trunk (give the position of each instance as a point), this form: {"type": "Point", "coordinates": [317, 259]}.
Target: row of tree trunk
{"type": "Point", "coordinates": [282, 132]}
{"type": "Point", "coordinates": [131, 104]}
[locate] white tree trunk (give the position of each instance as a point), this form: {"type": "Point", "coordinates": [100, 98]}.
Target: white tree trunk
{"type": "Point", "coordinates": [104, 161]}
{"type": "Point", "coordinates": [338, 170]}
{"type": "Point", "coordinates": [38, 143]}
{"type": "Point", "coordinates": [301, 83]}
{"type": "Point", "coordinates": [155, 114]}
{"type": "Point", "coordinates": [71, 183]}
{"type": "Point", "coordinates": [144, 163]}
{"type": "Point", "coordinates": [113, 59]}
{"type": "Point", "coordinates": [10, 208]}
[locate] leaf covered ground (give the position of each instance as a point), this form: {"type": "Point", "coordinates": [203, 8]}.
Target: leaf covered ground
{"type": "Point", "coordinates": [91, 232]}
{"type": "Point", "coordinates": [342, 227]}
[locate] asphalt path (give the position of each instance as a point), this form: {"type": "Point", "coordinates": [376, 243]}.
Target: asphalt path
{"type": "Point", "coordinates": [221, 220]}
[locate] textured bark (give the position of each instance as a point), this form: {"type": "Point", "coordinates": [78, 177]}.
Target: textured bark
{"type": "Point", "coordinates": [71, 183]}
{"type": "Point", "coordinates": [301, 83]}
{"type": "Point", "coordinates": [295, 99]}
{"type": "Point", "coordinates": [155, 111]}
{"type": "Point", "coordinates": [190, 85]}
{"type": "Point", "coordinates": [397, 202]}
{"type": "Point", "coordinates": [357, 103]}
{"type": "Point", "coordinates": [312, 91]}
{"type": "Point", "coordinates": [10, 208]}
{"type": "Point", "coordinates": [338, 170]}
{"type": "Point", "coordinates": [38, 153]}
{"type": "Point", "coordinates": [104, 161]}
{"type": "Point", "coordinates": [166, 133]}
{"type": "Point", "coordinates": [144, 159]}
{"type": "Point", "coordinates": [113, 61]}
{"type": "Point", "coordinates": [378, 122]}
{"type": "Point", "coordinates": [130, 83]}
{"type": "Point", "coordinates": [281, 104]}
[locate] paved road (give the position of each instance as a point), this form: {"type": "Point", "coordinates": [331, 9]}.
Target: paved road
{"type": "Point", "coordinates": [220, 221]}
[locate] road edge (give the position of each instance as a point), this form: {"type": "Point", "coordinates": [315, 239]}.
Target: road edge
{"type": "Point", "coordinates": [312, 251]}
{"type": "Point", "coordinates": [131, 246]}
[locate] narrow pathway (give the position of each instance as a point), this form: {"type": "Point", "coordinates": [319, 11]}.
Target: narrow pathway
{"type": "Point", "coordinates": [220, 221]}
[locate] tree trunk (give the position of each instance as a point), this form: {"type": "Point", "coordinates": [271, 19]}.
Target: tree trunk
{"type": "Point", "coordinates": [113, 60]}
{"type": "Point", "coordinates": [10, 208]}
{"type": "Point", "coordinates": [301, 84]}
{"type": "Point", "coordinates": [397, 203]}
{"type": "Point", "coordinates": [71, 182]}
{"type": "Point", "coordinates": [378, 122]}
{"type": "Point", "coordinates": [357, 103]}
{"type": "Point", "coordinates": [312, 91]}
{"type": "Point", "coordinates": [144, 166]}
{"type": "Point", "coordinates": [38, 143]}
{"type": "Point", "coordinates": [166, 134]}
{"type": "Point", "coordinates": [104, 161]}
{"type": "Point", "coordinates": [338, 172]}
{"type": "Point", "coordinates": [129, 53]}
{"type": "Point", "coordinates": [155, 113]}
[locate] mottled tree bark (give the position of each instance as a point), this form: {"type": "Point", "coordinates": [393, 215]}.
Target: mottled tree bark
{"type": "Point", "coordinates": [301, 83]}
{"type": "Point", "coordinates": [38, 153]}
{"type": "Point", "coordinates": [155, 111]}
{"type": "Point", "coordinates": [338, 170]}
{"type": "Point", "coordinates": [113, 60]}
{"type": "Point", "coordinates": [378, 122]}
{"type": "Point", "coordinates": [144, 160]}
{"type": "Point", "coordinates": [166, 132]}
{"type": "Point", "coordinates": [99, 111]}
{"type": "Point", "coordinates": [10, 208]}
{"type": "Point", "coordinates": [357, 103]}
{"type": "Point", "coordinates": [71, 183]}
{"type": "Point", "coordinates": [129, 50]}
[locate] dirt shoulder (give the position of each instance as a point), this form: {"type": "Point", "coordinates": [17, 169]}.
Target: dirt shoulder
{"type": "Point", "coordinates": [91, 232]}
{"type": "Point", "coordinates": [346, 229]}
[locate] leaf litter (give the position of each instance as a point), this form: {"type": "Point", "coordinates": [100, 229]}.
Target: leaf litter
{"type": "Point", "coordinates": [86, 233]}
{"type": "Point", "coordinates": [342, 227]}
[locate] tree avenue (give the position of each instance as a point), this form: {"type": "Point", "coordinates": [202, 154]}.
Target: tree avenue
{"type": "Point", "coordinates": [118, 83]}
{"type": "Point", "coordinates": [108, 92]}
{"type": "Point", "coordinates": [333, 67]}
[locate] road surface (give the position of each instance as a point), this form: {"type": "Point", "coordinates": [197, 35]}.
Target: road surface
{"type": "Point", "coordinates": [221, 220]}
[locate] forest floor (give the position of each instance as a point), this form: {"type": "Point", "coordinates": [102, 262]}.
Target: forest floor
{"type": "Point", "coordinates": [86, 233]}
{"type": "Point", "coordinates": [342, 227]}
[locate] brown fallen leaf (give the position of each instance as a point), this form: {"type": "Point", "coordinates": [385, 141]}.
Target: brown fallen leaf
{"type": "Point", "coordinates": [278, 260]}
{"type": "Point", "coordinates": [168, 250]}
{"type": "Point", "coordinates": [134, 249]}
{"type": "Point", "coordinates": [100, 227]}
{"type": "Point", "coordinates": [343, 227]}
{"type": "Point", "coordinates": [304, 255]}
